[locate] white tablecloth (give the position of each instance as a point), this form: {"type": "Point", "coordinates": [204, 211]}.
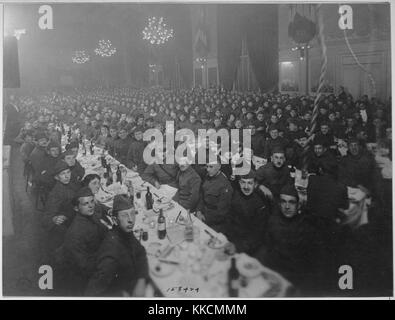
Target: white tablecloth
{"type": "Point", "coordinates": [200, 271]}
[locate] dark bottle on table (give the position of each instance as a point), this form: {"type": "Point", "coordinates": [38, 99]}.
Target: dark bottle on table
{"type": "Point", "coordinates": [91, 147]}
{"type": "Point", "coordinates": [292, 171]}
{"type": "Point", "coordinates": [103, 161]}
{"type": "Point", "coordinates": [161, 225]}
{"type": "Point", "coordinates": [148, 200]}
{"type": "Point", "coordinates": [109, 176]}
{"type": "Point", "coordinates": [233, 279]}
{"type": "Point", "coordinates": [119, 175]}
{"type": "Point", "coordinates": [84, 145]}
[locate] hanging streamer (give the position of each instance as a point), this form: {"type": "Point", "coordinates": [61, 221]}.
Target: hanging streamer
{"type": "Point", "coordinates": [324, 63]}
{"type": "Point", "coordinates": [372, 82]}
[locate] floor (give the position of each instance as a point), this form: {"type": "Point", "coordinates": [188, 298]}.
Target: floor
{"type": "Point", "coordinates": [21, 252]}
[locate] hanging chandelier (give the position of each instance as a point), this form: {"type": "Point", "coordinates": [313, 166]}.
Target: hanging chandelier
{"type": "Point", "coordinates": [156, 32]}
{"type": "Point", "coordinates": [80, 57]}
{"type": "Point", "coordinates": [105, 49]}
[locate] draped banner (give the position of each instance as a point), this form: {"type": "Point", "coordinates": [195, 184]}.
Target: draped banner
{"type": "Point", "coordinates": [11, 63]}
{"type": "Point", "coordinates": [261, 30]}
{"type": "Point", "coordinates": [229, 42]}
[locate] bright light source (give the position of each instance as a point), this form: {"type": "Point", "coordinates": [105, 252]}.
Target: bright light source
{"type": "Point", "coordinates": [19, 32]}
{"type": "Point", "coordinates": [286, 63]}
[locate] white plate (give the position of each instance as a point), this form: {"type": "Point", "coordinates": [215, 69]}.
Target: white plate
{"type": "Point", "coordinates": [103, 197]}
{"type": "Point", "coordinates": [248, 267]}
{"type": "Point", "coordinates": [160, 269]}
{"type": "Point", "coordinates": [214, 243]}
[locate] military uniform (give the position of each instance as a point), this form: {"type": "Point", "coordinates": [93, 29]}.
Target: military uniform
{"type": "Point", "coordinates": [188, 189]}
{"type": "Point", "coordinates": [292, 248]}
{"type": "Point", "coordinates": [58, 203]}
{"type": "Point", "coordinates": [162, 173]}
{"type": "Point", "coordinates": [44, 174]}
{"type": "Point", "coordinates": [359, 170]}
{"type": "Point", "coordinates": [77, 173]}
{"type": "Point", "coordinates": [121, 147]}
{"type": "Point", "coordinates": [273, 178]}
{"type": "Point", "coordinates": [247, 221]}
{"type": "Point", "coordinates": [272, 144]}
{"type": "Point", "coordinates": [110, 145]}
{"type": "Point", "coordinates": [121, 261]}
{"type": "Point", "coordinates": [81, 243]}
{"type": "Point", "coordinates": [135, 156]}
{"type": "Point", "coordinates": [258, 142]}
{"type": "Point", "coordinates": [36, 158]}
{"type": "Point", "coordinates": [215, 200]}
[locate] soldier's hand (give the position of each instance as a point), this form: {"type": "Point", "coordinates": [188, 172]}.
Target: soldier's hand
{"type": "Point", "coordinates": [139, 289]}
{"type": "Point", "coordinates": [200, 216]}
{"type": "Point", "coordinates": [58, 220]}
{"type": "Point", "coordinates": [157, 185]}
{"type": "Point", "coordinates": [266, 192]}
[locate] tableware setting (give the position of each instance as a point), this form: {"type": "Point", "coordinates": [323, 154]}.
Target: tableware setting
{"type": "Point", "coordinates": [192, 255]}
{"type": "Point", "coordinates": [217, 241]}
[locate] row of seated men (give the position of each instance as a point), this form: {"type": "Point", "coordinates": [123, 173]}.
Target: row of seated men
{"type": "Point", "coordinates": [252, 212]}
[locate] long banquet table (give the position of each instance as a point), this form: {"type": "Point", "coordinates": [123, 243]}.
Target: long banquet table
{"type": "Point", "coordinates": [180, 268]}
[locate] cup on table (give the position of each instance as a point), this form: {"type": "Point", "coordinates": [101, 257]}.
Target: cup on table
{"type": "Point", "coordinates": [145, 235]}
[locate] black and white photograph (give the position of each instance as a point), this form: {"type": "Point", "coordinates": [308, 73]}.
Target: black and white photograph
{"type": "Point", "coordinates": [191, 150]}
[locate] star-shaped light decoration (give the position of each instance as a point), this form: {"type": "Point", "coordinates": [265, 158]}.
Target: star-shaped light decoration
{"type": "Point", "coordinates": [80, 57]}
{"type": "Point", "coordinates": [105, 49]}
{"type": "Point", "coordinates": [156, 33]}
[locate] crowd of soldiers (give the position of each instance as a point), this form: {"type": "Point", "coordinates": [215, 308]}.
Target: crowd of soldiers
{"type": "Point", "coordinates": [261, 212]}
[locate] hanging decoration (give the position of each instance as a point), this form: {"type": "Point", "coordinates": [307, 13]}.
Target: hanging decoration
{"type": "Point", "coordinates": [324, 63]}
{"type": "Point", "coordinates": [80, 57]}
{"type": "Point", "coordinates": [105, 49]}
{"type": "Point", "coordinates": [156, 33]}
{"type": "Point", "coordinates": [301, 29]}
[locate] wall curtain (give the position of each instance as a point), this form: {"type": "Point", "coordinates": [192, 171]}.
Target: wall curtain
{"type": "Point", "coordinates": [229, 42]}
{"type": "Point", "coordinates": [260, 25]}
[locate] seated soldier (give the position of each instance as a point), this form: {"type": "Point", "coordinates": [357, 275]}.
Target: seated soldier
{"type": "Point", "coordinates": [121, 264]}
{"type": "Point", "coordinates": [274, 141]}
{"type": "Point", "coordinates": [248, 215]}
{"type": "Point", "coordinates": [188, 185]}
{"type": "Point", "coordinates": [273, 175]}
{"type": "Point", "coordinates": [134, 159]}
{"type": "Point", "coordinates": [57, 216]}
{"type": "Point", "coordinates": [320, 155]}
{"type": "Point", "coordinates": [325, 196]}
{"type": "Point", "coordinates": [39, 152]}
{"type": "Point", "coordinates": [73, 146]}
{"type": "Point", "coordinates": [110, 145]}
{"type": "Point", "coordinates": [77, 171]}
{"type": "Point", "coordinates": [326, 136]}
{"type": "Point", "coordinates": [257, 142]}
{"type": "Point", "coordinates": [121, 146]}
{"type": "Point", "coordinates": [44, 175]}
{"type": "Point", "coordinates": [291, 243]}
{"type": "Point", "coordinates": [92, 181]}
{"type": "Point", "coordinates": [216, 195]}
{"type": "Point", "coordinates": [27, 146]}
{"type": "Point", "coordinates": [358, 169]}
{"type": "Point", "coordinates": [103, 138]}
{"type": "Point", "coordinates": [81, 242]}
{"type": "Point", "coordinates": [158, 174]}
